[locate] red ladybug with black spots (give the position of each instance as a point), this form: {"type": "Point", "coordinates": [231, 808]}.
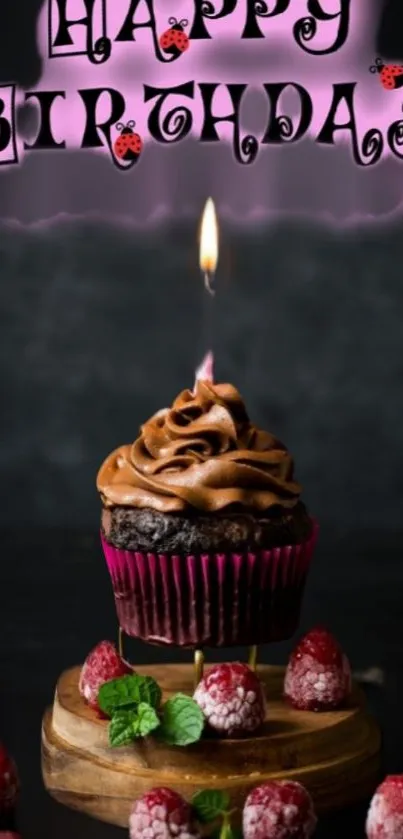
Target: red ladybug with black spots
{"type": "Point", "coordinates": [128, 145]}
{"type": "Point", "coordinates": [175, 41]}
{"type": "Point", "coordinates": [390, 75]}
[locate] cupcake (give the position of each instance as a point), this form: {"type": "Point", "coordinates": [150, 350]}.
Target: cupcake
{"type": "Point", "coordinates": [206, 539]}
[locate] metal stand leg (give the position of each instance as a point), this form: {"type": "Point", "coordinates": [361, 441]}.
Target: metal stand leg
{"type": "Point", "coordinates": [252, 660]}
{"type": "Point", "coordinates": [120, 642]}
{"type": "Point", "coordinates": [198, 666]}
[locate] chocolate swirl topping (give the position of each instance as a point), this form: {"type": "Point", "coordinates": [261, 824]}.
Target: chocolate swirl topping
{"type": "Point", "coordinates": [202, 454]}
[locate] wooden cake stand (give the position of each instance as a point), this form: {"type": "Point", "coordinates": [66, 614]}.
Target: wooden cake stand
{"type": "Point", "coordinates": [336, 755]}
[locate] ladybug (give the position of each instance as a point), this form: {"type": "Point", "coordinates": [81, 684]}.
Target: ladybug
{"type": "Point", "coordinates": [175, 41]}
{"type": "Point", "coordinates": [128, 145]}
{"type": "Point", "coordinates": [390, 75]}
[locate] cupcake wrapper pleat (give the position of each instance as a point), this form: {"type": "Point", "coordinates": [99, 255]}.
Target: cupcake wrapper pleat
{"type": "Point", "coordinates": [210, 600]}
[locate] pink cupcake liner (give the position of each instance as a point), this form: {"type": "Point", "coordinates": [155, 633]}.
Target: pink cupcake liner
{"type": "Point", "coordinates": [210, 600]}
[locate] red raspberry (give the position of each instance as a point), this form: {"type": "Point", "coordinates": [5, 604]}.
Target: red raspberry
{"type": "Point", "coordinates": [102, 665]}
{"type": "Point", "coordinates": [385, 815]}
{"type": "Point", "coordinates": [8, 781]}
{"type": "Point", "coordinates": [8, 834]}
{"type": "Point", "coordinates": [318, 676]}
{"type": "Point", "coordinates": [162, 814]}
{"type": "Point", "coordinates": [232, 699]}
{"type": "Point", "coordinates": [279, 810]}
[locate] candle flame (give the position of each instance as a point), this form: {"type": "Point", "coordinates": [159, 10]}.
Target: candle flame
{"type": "Point", "coordinates": [209, 239]}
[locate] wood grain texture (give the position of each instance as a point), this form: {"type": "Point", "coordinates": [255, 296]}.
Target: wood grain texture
{"type": "Point", "coordinates": [336, 755]}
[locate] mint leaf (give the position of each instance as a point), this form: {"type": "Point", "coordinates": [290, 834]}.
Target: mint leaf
{"type": "Point", "coordinates": [149, 691]}
{"type": "Point", "coordinates": [115, 695]}
{"type": "Point", "coordinates": [130, 724]}
{"type": "Point", "coordinates": [182, 721]}
{"type": "Point", "coordinates": [122, 728]}
{"type": "Point", "coordinates": [127, 692]}
{"type": "Point", "coordinates": [148, 719]}
{"type": "Point", "coordinates": [209, 804]}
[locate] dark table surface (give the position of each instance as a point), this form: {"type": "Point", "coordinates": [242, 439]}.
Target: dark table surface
{"type": "Point", "coordinates": [55, 603]}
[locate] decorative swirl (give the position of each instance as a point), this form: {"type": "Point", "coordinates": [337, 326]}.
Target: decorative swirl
{"type": "Point", "coordinates": [305, 30]}
{"type": "Point", "coordinates": [372, 147]}
{"type": "Point", "coordinates": [249, 148]}
{"type": "Point", "coordinates": [285, 127]}
{"type": "Point", "coordinates": [261, 8]}
{"type": "Point", "coordinates": [177, 123]}
{"type": "Point", "coordinates": [103, 49]}
{"type": "Point", "coordinates": [208, 9]}
{"type": "Point", "coordinates": [202, 454]}
{"type": "Point", "coordinates": [395, 137]}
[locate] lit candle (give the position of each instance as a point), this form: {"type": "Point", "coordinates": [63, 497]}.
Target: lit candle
{"type": "Point", "coordinates": [205, 372]}
{"type": "Point", "coordinates": [208, 265]}
{"type": "Point", "coordinates": [209, 246]}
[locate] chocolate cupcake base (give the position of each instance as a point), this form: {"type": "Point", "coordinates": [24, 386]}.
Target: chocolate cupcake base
{"type": "Point", "coordinates": [235, 531]}
{"type": "Point", "coordinates": [210, 599]}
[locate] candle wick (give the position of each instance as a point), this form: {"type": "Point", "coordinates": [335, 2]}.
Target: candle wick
{"type": "Point", "coordinates": [209, 282]}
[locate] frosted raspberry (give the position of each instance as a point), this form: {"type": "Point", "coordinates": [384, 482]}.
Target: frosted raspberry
{"type": "Point", "coordinates": [101, 665]}
{"type": "Point", "coordinates": [385, 815]}
{"type": "Point", "coordinates": [318, 676]}
{"type": "Point", "coordinates": [232, 699]}
{"type": "Point", "coordinates": [279, 810]}
{"type": "Point", "coordinates": [162, 814]}
{"type": "Point", "coordinates": [8, 781]}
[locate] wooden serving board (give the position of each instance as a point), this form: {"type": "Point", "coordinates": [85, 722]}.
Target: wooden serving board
{"type": "Point", "coordinates": [336, 755]}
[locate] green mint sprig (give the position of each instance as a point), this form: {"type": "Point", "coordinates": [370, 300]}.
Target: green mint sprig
{"type": "Point", "coordinates": [182, 721]}
{"type": "Point", "coordinates": [133, 703]}
{"type": "Point", "coordinates": [213, 805]}
{"type": "Point", "coordinates": [128, 725]}
{"type": "Point", "coordinates": [127, 692]}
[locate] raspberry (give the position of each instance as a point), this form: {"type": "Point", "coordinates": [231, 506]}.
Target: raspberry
{"type": "Point", "coordinates": [318, 676]}
{"type": "Point", "coordinates": [8, 781]}
{"type": "Point", "coordinates": [102, 665]}
{"type": "Point", "coordinates": [162, 814]}
{"type": "Point", "coordinates": [232, 699]}
{"type": "Point", "coordinates": [9, 834]}
{"type": "Point", "coordinates": [279, 810]}
{"type": "Point", "coordinates": [385, 815]}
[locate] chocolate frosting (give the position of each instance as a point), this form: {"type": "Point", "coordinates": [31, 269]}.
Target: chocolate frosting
{"type": "Point", "coordinates": [202, 454]}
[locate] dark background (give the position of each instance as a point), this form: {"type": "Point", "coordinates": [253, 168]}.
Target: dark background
{"type": "Point", "coordinates": [102, 324]}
